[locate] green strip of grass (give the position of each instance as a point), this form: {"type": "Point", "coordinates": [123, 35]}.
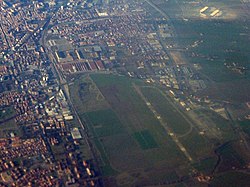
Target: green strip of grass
{"type": "Point", "coordinates": [145, 140]}
{"type": "Point", "coordinates": [232, 179]}
{"type": "Point", "coordinates": [170, 115]}
{"type": "Point", "coordinates": [104, 122]}
{"type": "Point", "coordinates": [106, 168]}
{"type": "Point", "coordinates": [245, 125]}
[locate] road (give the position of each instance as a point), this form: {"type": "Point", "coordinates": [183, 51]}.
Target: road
{"type": "Point", "coordinates": [158, 9]}
{"type": "Point", "coordinates": [63, 84]}
{"type": "Point", "coordinates": [4, 34]}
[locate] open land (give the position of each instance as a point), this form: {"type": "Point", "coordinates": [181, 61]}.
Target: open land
{"type": "Point", "coordinates": [127, 135]}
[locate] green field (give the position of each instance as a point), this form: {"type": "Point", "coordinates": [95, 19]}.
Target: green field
{"type": "Point", "coordinates": [176, 120]}
{"type": "Point", "coordinates": [206, 165]}
{"type": "Point", "coordinates": [217, 123]}
{"type": "Point", "coordinates": [85, 95]}
{"type": "Point", "coordinates": [8, 126]}
{"type": "Point", "coordinates": [245, 125]}
{"type": "Point", "coordinates": [104, 123]}
{"type": "Point", "coordinates": [145, 139]}
{"type": "Point", "coordinates": [222, 83]}
{"type": "Point", "coordinates": [127, 136]}
{"type": "Point", "coordinates": [170, 114]}
{"type": "Point", "coordinates": [131, 144]}
{"type": "Point", "coordinates": [198, 146]}
{"type": "Point", "coordinates": [232, 179]}
{"type": "Point", "coordinates": [6, 113]}
{"type": "Point", "coordinates": [231, 157]}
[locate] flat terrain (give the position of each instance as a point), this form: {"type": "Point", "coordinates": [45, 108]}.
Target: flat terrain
{"type": "Point", "coordinates": [127, 136]}
{"type": "Point", "coordinates": [8, 125]}
{"type": "Point", "coordinates": [141, 136]}
{"type": "Point", "coordinates": [191, 9]}
{"type": "Point", "coordinates": [132, 142]}
{"type": "Point", "coordinates": [209, 44]}
{"type": "Point", "coordinates": [232, 179]}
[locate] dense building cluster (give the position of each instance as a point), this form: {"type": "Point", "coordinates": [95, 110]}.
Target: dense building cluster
{"type": "Point", "coordinates": [38, 117]}
{"type": "Point", "coordinates": [15, 147]}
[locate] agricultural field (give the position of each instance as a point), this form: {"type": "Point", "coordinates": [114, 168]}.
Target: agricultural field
{"type": "Point", "coordinates": [231, 179]}
{"type": "Point", "coordinates": [221, 60]}
{"type": "Point", "coordinates": [245, 125]}
{"type": "Point", "coordinates": [184, 9]}
{"type": "Point", "coordinates": [219, 45]}
{"type": "Point", "coordinates": [145, 139]}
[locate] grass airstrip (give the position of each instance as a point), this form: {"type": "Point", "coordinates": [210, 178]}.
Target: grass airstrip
{"type": "Point", "coordinates": [132, 145]}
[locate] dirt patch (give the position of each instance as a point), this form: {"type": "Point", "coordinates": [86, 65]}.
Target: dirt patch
{"type": "Point", "coordinates": [177, 57]}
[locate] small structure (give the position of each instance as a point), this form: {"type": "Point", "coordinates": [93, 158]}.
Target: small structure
{"type": "Point", "coordinates": [75, 133]}
{"type": "Point", "coordinates": [203, 9]}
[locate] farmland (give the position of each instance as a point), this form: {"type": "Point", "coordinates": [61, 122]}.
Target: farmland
{"type": "Point", "coordinates": [208, 43]}
{"type": "Point", "coordinates": [215, 58]}
{"type": "Point", "coordinates": [232, 179]}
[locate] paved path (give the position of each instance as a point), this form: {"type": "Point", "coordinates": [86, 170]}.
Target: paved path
{"type": "Point", "coordinates": [163, 123]}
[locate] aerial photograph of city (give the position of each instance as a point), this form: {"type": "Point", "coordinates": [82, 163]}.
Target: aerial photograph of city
{"type": "Point", "coordinates": [125, 93]}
